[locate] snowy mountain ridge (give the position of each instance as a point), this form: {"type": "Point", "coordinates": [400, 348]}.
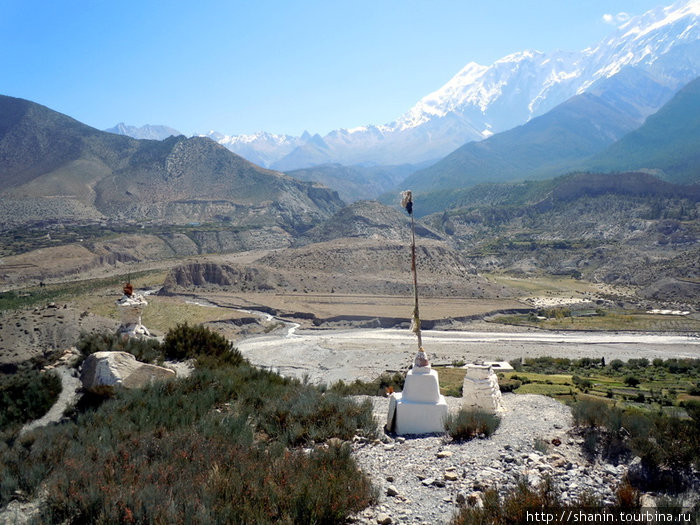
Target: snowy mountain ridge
{"type": "Point", "coordinates": [662, 46]}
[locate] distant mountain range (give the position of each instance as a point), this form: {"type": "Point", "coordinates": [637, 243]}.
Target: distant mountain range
{"type": "Point", "coordinates": [660, 47]}
{"type": "Point", "coordinates": [578, 135]}
{"type": "Point", "coordinates": [357, 182]}
{"type": "Point", "coordinates": [144, 132]}
{"type": "Point", "coordinates": [55, 168]}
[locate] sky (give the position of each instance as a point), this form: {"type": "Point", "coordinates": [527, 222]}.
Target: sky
{"type": "Point", "coordinates": [238, 67]}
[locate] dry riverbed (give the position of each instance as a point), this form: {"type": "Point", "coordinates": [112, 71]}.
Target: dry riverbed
{"type": "Point", "coordinates": [330, 355]}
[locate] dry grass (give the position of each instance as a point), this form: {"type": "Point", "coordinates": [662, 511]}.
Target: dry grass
{"type": "Point", "coordinates": [162, 313]}
{"type": "Point", "coordinates": [451, 380]}
{"type": "Point", "coordinates": [545, 285]}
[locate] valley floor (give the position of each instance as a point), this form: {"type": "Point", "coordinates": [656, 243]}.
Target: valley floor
{"type": "Point", "coordinates": [331, 355]}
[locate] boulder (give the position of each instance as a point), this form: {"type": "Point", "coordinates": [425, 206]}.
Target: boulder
{"type": "Point", "coordinates": [103, 371]}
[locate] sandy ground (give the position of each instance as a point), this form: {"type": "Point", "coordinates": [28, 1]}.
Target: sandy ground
{"type": "Point", "coordinates": [331, 355]}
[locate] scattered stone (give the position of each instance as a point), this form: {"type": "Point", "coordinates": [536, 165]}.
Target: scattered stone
{"type": "Point", "coordinates": [384, 519]}
{"type": "Point", "coordinates": [556, 442]}
{"type": "Point", "coordinates": [391, 491]}
{"type": "Point", "coordinates": [451, 476]}
{"type": "Point", "coordinates": [444, 454]}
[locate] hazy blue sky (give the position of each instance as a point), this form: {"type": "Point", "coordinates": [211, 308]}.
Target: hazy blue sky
{"type": "Point", "coordinates": [280, 66]}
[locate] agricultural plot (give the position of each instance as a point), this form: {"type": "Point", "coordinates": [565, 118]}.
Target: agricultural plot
{"type": "Point", "coordinates": [565, 319]}
{"type": "Point", "coordinates": [659, 385]}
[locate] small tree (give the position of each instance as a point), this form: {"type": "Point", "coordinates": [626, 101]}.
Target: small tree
{"type": "Point", "coordinates": [632, 381]}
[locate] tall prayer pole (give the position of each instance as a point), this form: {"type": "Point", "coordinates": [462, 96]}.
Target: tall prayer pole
{"type": "Point", "coordinates": [421, 359]}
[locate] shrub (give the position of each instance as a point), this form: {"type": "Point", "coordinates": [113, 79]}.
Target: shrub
{"type": "Point", "coordinates": [583, 384]}
{"type": "Point", "coordinates": [616, 364]}
{"type": "Point", "coordinates": [541, 445]}
{"type": "Point", "coordinates": [522, 504]}
{"type": "Point", "coordinates": [183, 477]}
{"type": "Point", "coordinates": [212, 448]}
{"type": "Point", "coordinates": [509, 385]}
{"type": "Point", "coordinates": [379, 387]}
{"type": "Point", "coordinates": [589, 412]}
{"type": "Point", "coordinates": [198, 342]}
{"type": "Point", "coordinates": [667, 445]}
{"type": "Point", "coordinates": [27, 395]}
{"type": "Point", "coordinates": [468, 424]}
{"type": "Point", "coordinates": [632, 381]}
{"type": "Point", "coordinates": [145, 350]}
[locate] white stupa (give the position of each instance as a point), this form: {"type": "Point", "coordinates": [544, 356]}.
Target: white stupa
{"type": "Point", "coordinates": [131, 306]}
{"type": "Point", "coordinates": [480, 390]}
{"type": "Point", "coordinates": [420, 408]}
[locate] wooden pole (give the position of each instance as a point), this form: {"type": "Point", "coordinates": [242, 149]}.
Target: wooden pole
{"type": "Point", "coordinates": [416, 317]}
{"type": "Point", "coordinates": [421, 359]}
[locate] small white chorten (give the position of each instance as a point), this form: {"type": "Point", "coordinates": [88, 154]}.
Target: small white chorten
{"type": "Point", "coordinates": [420, 408]}
{"type": "Point", "coordinates": [480, 390]}
{"type": "Point", "coordinates": [130, 308]}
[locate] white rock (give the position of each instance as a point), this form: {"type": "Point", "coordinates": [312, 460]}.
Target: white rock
{"type": "Point", "coordinates": [103, 371]}
{"type": "Point", "coordinates": [384, 519]}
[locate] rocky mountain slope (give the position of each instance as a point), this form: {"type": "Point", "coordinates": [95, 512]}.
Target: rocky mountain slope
{"type": "Point", "coordinates": [343, 266]}
{"type": "Point", "coordinates": [366, 220]}
{"type": "Point", "coordinates": [50, 158]}
{"type": "Point", "coordinates": [357, 182]}
{"type": "Point", "coordinates": [629, 228]}
{"type": "Point", "coordinates": [544, 147]}
{"type": "Point", "coordinates": [577, 135]}
{"type": "Point", "coordinates": [669, 141]}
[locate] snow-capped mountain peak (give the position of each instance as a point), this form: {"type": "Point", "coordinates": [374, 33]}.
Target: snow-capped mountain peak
{"type": "Point", "coordinates": [663, 45]}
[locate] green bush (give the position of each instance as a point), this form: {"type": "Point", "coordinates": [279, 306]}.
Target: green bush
{"type": "Point", "coordinates": [632, 381]}
{"type": "Point", "coordinates": [216, 447]}
{"type": "Point", "coordinates": [524, 504]}
{"type": "Point", "coordinates": [27, 395]}
{"type": "Point", "coordinates": [668, 445]}
{"type": "Point", "coordinates": [509, 385]}
{"type": "Point", "coordinates": [145, 350]}
{"type": "Point", "coordinates": [379, 387]}
{"type": "Point", "coordinates": [468, 424]}
{"type": "Point", "coordinates": [583, 384]}
{"type": "Point", "coordinates": [198, 342]}
{"type": "Point", "coordinates": [589, 412]}
{"type": "Point", "coordinates": [183, 477]}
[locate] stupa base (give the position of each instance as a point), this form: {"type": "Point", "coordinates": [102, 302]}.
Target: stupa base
{"type": "Point", "coordinates": [408, 417]}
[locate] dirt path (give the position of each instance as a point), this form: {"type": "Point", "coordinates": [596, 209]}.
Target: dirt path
{"type": "Point", "coordinates": [70, 383]}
